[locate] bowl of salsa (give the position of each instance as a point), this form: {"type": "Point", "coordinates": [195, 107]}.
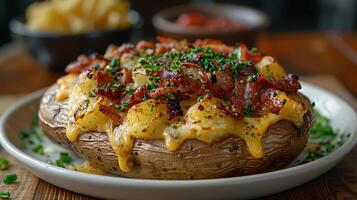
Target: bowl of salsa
{"type": "Point", "coordinates": [226, 22]}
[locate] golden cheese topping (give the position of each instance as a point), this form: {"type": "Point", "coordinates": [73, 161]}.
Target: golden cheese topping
{"type": "Point", "coordinates": [65, 83]}
{"type": "Point", "coordinates": [202, 120]}
{"type": "Point", "coordinates": [89, 168]}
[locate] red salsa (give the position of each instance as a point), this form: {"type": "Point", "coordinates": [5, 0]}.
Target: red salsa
{"type": "Point", "coordinates": [196, 19]}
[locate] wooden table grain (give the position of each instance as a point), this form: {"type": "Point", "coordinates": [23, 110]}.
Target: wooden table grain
{"type": "Point", "coordinates": [305, 53]}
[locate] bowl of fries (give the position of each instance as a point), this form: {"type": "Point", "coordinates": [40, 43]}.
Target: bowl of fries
{"type": "Point", "coordinates": [55, 32]}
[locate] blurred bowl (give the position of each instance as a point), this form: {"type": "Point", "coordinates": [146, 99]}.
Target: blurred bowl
{"type": "Point", "coordinates": [56, 51]}
{"type": "Point", "coordinates": [254, 22]}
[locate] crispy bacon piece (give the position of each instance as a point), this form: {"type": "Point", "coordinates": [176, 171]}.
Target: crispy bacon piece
{"type": "Point", "coordinates": [102, 78]}
{"type": "Point", "coordinates": [160, 49]}
{"type": "Point", "coordinates": [123, 49]}
{"type": "Point", "coordinates": [137, 97]}
{"type": "Point", "coordinates": [167, 75]}
{"type": "Point", "coordinates": [289, 83]}
{"type": "Point", "coordinates": [173, 108]}
{"type": "Point", "coordinates": [216, 45]}
{"type": "Point", "coordinates": [270, 102]}
{"type": "Point", "coordinates": [104, 81]}
{"type": "Point", "coordinates": [127, 78]}
{"type": "Point", "coordinates": [143, 44]}
{"type": "Point", "coordinates": [166, 41]}
{"type": "Point", "coordinates": [183, 87]}
{"type": "Point", "coordinates": [84, 62]}
{"type": "Point", "coordinates": [247, 55]}
{"type": "Point", "coordinates": [112, 113]}
{"type": "Point", "coordinates": [221, 83]}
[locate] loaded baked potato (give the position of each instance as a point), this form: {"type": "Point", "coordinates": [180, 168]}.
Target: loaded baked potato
{"type": "Point", "coordinates": [178, 110]}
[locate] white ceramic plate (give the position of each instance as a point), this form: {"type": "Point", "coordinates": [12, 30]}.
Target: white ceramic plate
{"type": "Point", "coordinates": [342, 116]}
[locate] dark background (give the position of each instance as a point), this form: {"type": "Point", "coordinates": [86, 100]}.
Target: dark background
{"type": "Point", "coordinates": [292, 15]}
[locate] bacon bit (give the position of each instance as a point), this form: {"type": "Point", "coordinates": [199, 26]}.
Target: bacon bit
{"type": "Point", "coordinates": [84, 62]}
{"type": "Point", "coordinates": [161, 91]}
{"type": "Point", "coordinates": [190, 65]}
{"type": "Point", "coordinates": [167, 75]}
{"type": "Point", "coordinates": [102, 78]}
{"type": "Point", "coordinates": [289, 83]}
{"type": "Point", "coordinates": [127, 78]}
{"type": "Point", "coordinates": [123, 49]}
{"type": "Point", "coordinates": [161, 49]}
{"type": "Point", "coordinates": [137, 97]}
{"type": "Point", "coordinates": [173, 108]}
{"type": "Point", "coordinates": [166, 41]}
{"type": "Point", "coordinates": [270, 102]}
{"type": "Point", "coordinates": [206, 42]}
{"type": "Point", "coordinates": [183, 86]}
{"type": "Point", "coordinates": [112, 113]}
{"type": "Point", "coordinates": [201, 108]}
{"type": "Point", "coordinates": [238, 101]}
{"type": "Point", "coordinates": [247, 55]}
{"type": "Point", "coordinates": [216, 45]}
{"type": "Point", "coordinates": [143, 44]}
{"type": "Point", "coordinates": [223, 85]}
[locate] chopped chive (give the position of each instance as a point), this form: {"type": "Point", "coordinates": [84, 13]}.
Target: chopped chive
{"type": "Point", "coordinates": [4, 164]}
{"type": "Point", "coordinates": [125, 103]}
{"type": "Point", "coordinates": [38, 149]}
{"type": "Point", "coordinates": [248, 110]}
{"type": "Point", "coordinates": [10, 178]}
{"type": "Point", "coordinates": [5, 195]}
{"type": "Point", "coordinates": [254, 50]}
{"type": "Point", "coordinates": [64, 158]}
{"type": "Point", "coordinates": [24, 135]}
{"type": "Point", "coordinates": [128, 90]}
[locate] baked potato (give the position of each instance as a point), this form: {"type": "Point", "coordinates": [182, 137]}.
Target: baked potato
{"type": "Point", "coordinates": [175, 110]}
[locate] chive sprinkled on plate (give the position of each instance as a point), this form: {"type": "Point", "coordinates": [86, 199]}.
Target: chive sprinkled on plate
{"type": "Point", "coordinates": [323, 138]}
{"type": "Point", "coordinates": [64, 158]}
{"type": "Point", "coordinates": [5, 195]}
{"type": "Point", "coordinates": [38, 149]}
{"type": "Point", "coordinates": [9, 178]}
{"type": "Point", "coordinates": [4, 164]}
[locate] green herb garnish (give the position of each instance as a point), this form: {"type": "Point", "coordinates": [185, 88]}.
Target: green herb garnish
{"type": "Point", "coordinates": [24, 135]}
{"type": "Point", "coordinates": [113, 66]}
{"type": "Point", "coordinates": [114, 86]}
{"type": "Point", "coordinates": [153, 84]}
{"type": "Point", "coordinates": [248, 110]}
{"type": "Point", "coordinates": [250, 78]}
{"type": "Point", "coordinates": [125, 103]}
{"type": "Point", "coordinates": [38, 149]}
{"type": "Point", "coordinates": [323, 139]}
{"type": "Point", "coordinates": [63, 159]}
{"type": "Point", "coordinates": [254, 50]}
{"type": "Point", "coordinates": [4, 164]}
{"type": "Point", "coordinates": [5, 195]}
{"type": "Point", "coordinates": [128, 90]}
{"type": "Point", "coordinates": [10, 178]}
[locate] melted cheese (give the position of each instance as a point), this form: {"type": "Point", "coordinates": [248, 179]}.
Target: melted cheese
{"type": "Point", "coordinates": [84, 111]}
{"type": "Point", "coordinates": [65, 84]}
{"type": "Point", "coordinates": [203, 120]}
{"type": "Point", "coordinates": [87, 167]}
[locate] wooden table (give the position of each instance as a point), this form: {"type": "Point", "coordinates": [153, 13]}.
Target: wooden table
{"type": "Point", "coordinates": [305, 53]}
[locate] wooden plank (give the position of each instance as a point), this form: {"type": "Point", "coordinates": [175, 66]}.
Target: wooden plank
{"type": "Point", "coordinates": [24, 187]}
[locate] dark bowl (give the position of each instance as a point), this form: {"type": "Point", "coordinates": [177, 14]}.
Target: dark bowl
{"type": "Point", "coordinates": [255, 21]}
{"type": "Point", "coordinates": [55, 51]}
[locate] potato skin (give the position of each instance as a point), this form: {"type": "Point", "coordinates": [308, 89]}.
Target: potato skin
{"type": "Point", "coordinates": [282, 143]}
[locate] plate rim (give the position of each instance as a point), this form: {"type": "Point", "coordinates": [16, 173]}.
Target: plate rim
{"type": "Point", "coordinates": [27, 160]}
